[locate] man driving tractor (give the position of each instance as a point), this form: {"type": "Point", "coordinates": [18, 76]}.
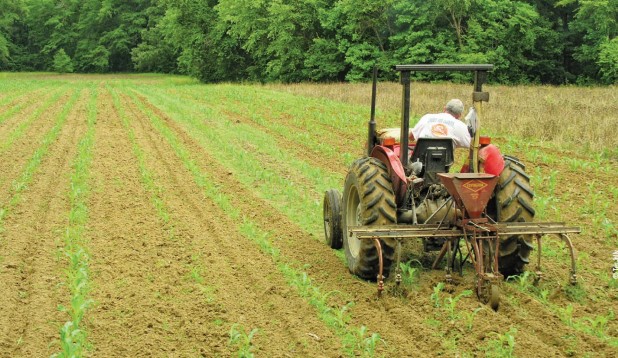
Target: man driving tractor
{"type": "Point", "coordinates": [448, 124]}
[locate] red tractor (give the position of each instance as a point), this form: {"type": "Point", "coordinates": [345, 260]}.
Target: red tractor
{"type": "Point", "coordinates": [392, 195]}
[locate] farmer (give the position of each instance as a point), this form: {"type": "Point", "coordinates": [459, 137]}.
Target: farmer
{"type": "Point", "coordinates": [445, 125]}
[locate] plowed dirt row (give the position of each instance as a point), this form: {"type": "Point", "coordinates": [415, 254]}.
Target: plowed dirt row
{"type": "Point", "coordinates": [174, 311]}
{"type": "Point", "coordinates": [238, 270]}
{"type": "Point", "coordinates": [138, 275]}
{"type": "Point", "coordinates": [22, 149]}
{"type": "Point", "coordinates": [18, 105]}
{"type": "Point", "coordinates": [32, 270]}
{"type": "Point", "coordinates": [14, 103]}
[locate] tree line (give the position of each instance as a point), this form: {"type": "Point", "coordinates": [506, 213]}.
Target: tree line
{"type": "Point", "coordinates": [528, 41]}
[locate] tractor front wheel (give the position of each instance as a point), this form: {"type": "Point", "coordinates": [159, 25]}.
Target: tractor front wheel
{"type": "Point", "coordinates": [332, 219]}
{"type": "Point", "coordinates": [368, 199]}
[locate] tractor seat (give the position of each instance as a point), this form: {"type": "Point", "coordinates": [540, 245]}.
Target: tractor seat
{"type": "Point", "coordinates": [392, 133]}
{"type": "Point", "coordinates": [437, 156]}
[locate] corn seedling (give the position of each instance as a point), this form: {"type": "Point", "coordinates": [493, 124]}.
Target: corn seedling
{"type": "Point", "coordinates": [368, 344]}
{"type": "Point", "coordinates": [469, 318]}
{"type": "Point", "coordinates": [409, 274]}
{"type": "Point", "coordinates": [242, 341]}
{"type": "Point", "coordinates": [435, 296]}
{"type": "Point", "coordinates": [72, 337]}
{"type": "Point", "coordinates": [523, 281]}
{"type": "Point", "coordinates": [598, 325]}
{"type": "Point", "coordinates": [502, 346]}
{"type": "Point", "coordinates": [566, 315]}
{"type": "Point", "coordinates": [450, 304]}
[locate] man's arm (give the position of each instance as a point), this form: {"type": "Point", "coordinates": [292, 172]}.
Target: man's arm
{"type": "Point", "coordinates": [463, 138]}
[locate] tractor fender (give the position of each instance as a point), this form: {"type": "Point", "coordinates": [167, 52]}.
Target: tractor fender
{"type": "Point", "coordinates": [395, 171]}
{"type": "Point", "coordinates": [491, 159]}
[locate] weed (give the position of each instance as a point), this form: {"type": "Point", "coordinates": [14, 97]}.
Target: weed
{"type": "Point", "coordinates": [242, 341]}
{"type": "Point", "coordinates": [575, 293]}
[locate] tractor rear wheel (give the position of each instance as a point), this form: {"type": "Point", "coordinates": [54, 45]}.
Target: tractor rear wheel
{"type": "Point", "coordinates": [512, 202]}
{"type": "Point", "coordinates": [368, 199]}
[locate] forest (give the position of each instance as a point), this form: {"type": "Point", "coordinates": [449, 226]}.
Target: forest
{"type": "Point", "coordinates": [528, 41]}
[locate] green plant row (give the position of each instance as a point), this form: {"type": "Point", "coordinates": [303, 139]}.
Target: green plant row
{"type": "Point", "coordinates": [25, 124]}
{"type": "Point", "coordinates": [310, 119]}
{"type": "Point", "coordinates": [297, 192]}
{"type": "Point", "coordinates": [336, 319]}
{"type": "Point", "coordinates": [73, 338]}
{"type": "Point", "coordinates": [15, 109]}
{"type": "Point", "coordinates": [21, 183]}
{"type": "Point", "coordinates": [596, 326]}
{"type": "Point", "coordinates": [11, 93]}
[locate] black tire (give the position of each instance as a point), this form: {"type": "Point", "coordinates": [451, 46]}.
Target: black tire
{"type": "Point", "coordinates": [512, 202]}
{"type": "Point", "coordinates": [368, 199]}
{"type": "Point", "coordinates": [332, 219]}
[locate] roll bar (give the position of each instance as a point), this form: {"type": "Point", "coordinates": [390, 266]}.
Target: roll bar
{"type": "Point", "coordinates": [480, 77]}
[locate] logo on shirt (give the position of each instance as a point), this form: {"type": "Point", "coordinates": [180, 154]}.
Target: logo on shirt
{"type": "Point", "coordinates": [439, 130]}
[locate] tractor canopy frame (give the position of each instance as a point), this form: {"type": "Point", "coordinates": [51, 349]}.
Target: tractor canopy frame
{"type": "Point", "coordinates": [478, 96]}
{"type": "Point", "coordinates": [469, 193]}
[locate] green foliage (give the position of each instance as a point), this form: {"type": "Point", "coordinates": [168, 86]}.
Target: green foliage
{"type": "Point", "coordinates": [62, 62]}
{"type": "Point", "coordinates": [320, 40]}
{"type": "Point", "coordinates": [608, 61]}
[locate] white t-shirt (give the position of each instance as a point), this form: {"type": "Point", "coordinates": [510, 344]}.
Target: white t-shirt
{"type": "Point", "coordinates": [442, 125]}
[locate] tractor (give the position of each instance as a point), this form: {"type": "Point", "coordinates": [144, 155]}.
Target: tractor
{"type": "Point", "coordinates": [403, 190]}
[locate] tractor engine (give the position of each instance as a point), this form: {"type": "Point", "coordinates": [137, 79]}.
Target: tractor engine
{"type": "Point", "coordinates": [434, 209]}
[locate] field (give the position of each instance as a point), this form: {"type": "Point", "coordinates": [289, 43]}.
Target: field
{"type": "Point", "coordinates": [155, 216]}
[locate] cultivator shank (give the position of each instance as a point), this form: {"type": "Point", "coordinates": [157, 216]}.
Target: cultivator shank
{"type": "Point", "coordinates": [470, 193]}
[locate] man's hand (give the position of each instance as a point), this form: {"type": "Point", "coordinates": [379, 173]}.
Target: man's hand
{"type": "Point", "coordinates": [471, 121]}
